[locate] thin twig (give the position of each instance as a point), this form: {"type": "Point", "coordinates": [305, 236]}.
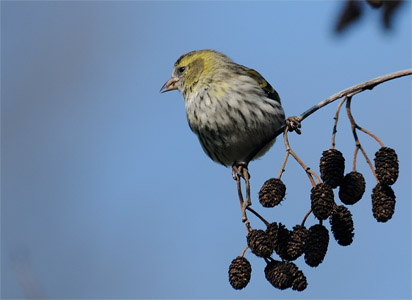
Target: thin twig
{"type": "Point", "coordinates": [242, 202]}
{"type": "Point", "coordinates": [367, 85]}
{"type": "Point", "coordinates": [248, 202]}
{"type": "Point", "coordinates": [354, 158]}
{"type": "Point", "coordinates": [306, 168]}
{"type": "Point", "coordinates": [305, 217]}
{"type": "Point", "coordinates": [334, 131]}
{"type": "Point", "coordinates": [368, 162]}
{"type": "Point", "coordinates": [238, 171]}
{"type": "Point", "coordinates": [355, 135]}
{"type": "Point", "coordinates": [314, 174]}
{"type": "Point", "coordinates": [371, 134]}
{"type": "Point", "coordinates": [282, 169]}
{"type": "Point", "coordinates": [364, 130]}
{"type": "Point", "coordinates": [257, 215]}
{"type": "Point", "coordinates": [244, 251]}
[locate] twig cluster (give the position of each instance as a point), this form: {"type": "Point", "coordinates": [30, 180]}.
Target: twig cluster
{"type": "Point", "coordinates": [312, 243]}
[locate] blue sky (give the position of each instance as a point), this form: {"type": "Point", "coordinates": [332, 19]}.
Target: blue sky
{"type": "Point", "coordinates": [105, 191]}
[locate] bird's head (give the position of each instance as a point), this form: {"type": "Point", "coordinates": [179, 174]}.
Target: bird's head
{"type": "Point", "coordinates": [194, 67]}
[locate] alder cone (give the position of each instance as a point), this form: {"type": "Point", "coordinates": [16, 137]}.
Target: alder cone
{"type": "Point", "coordinates": [352, 188]}
{"type": "Point", "coordinates": [240, 271]}
{"type": "Point", "coordinates": [386, 165]}
{"type": "Point", "coordinates": [332, 166]}
{"type": "Point", "coordinates": [316, 245]}
{"type": "Point", "coordinates": [260, 243]}
{"type": "Point", "coordinates": [322, 200]}
{"type": "Point", "coordinates": [383, 202]}
{"type": "Point", "coordinates": [342, 225]}
{"type": "Point", "coordinates": [272, 192]}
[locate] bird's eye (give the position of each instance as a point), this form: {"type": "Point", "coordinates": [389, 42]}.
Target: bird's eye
{"type": "Point", "coordinates": [182, 69]}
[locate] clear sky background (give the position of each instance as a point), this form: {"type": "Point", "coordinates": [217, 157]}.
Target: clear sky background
{"type": "Point", "coordinates": [105, 191]}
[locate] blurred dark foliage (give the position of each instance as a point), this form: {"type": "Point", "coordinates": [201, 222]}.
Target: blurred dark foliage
{"type": "Point", "coordinates": [353, 10]}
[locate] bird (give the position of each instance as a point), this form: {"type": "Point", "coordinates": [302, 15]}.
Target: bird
{"type": "Point", "coordinates": [232, 109]}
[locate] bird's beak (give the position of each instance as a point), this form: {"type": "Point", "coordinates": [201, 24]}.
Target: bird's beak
{"type": "Point", "coordinates": [170, 85]}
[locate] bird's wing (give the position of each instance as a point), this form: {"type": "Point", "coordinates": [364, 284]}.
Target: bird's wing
{"type": "Point", "coordinates": [266, 87]}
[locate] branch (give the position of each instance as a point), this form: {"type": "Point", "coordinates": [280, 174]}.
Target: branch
{"type": "Point", "coordinates": [353, 90]}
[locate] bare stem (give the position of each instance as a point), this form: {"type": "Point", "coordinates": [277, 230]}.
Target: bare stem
{"type": "Point", "coordinates": [314, 174]}
{"type": "Point", "coordinates": [306, 168]}
{"type": "Point", "coordinates": [257, 215]}
{"type": "Point", "coordinates": [354, 158]}
{"type": "Point", "coordinates": [336, 121]}
{"type": "Point", "coordinates": [282, 169]}
{"type": "Point", "coordinates": [358, 144]}
{"type": "Point", "coordinates": [371, 134]}
{"type": "Point", "coordinates": [369, 162]}
{"type": "Point", "coordinates": [244, 251]}
{"type": "Point", "coordinates": [305, 217]}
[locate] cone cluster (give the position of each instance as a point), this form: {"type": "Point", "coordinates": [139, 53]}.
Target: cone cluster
{"type": "Point", "coordinates": [387, 171]}
{"type": "Point", "coordinates": [284, 275]}
{"type": "Point", "coordinates": [313, 243]}
{"type": "Point", "coordinates": [279, 235]}
{"type": "Point", "coordinates": [296, 243]}
{"type": "Point", "coordinates": [288, 244]}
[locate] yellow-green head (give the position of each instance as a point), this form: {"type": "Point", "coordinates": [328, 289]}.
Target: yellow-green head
{"type": "Point", "coordinates": [194, 67]}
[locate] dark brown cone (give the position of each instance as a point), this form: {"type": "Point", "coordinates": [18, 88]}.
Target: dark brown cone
{"type": "Point", "coordinates": [316, 245]}
{"type": "Point", "coordinates": [240, 271]}
{"type": "Point", "coordinates": [299, 283]}
{"type": "Point", "coordinates": [281, 273]}
{"type": "Point", "coordinates": [279, 236]}
{"type": "Point", "coordinates": [260, 243]}
{"type": "Point", "coordinates": [342, 225]}
{"type": "Point", "coordinates": [296, 242]}
{"type": "Point", "coordinates": [352, 188]}
{"type": "Point", "coordinates": [383, 202]}
{"type": "Point", "coordinates": [272, 192]}
{"type": "Point", "coordinates": [322, 200]}
{"type": "Point", "coordinates": [386, 165]}
{"type": "Point", "coordinates": [332, 166]}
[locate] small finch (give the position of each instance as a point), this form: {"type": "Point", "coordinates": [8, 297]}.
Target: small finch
{"type": "Point", "coordinates": [232, 109]}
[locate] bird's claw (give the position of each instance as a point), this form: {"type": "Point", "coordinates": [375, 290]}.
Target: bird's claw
{"type": "Point", "coordinates": [293, 124]}
{"type": "Point", "coordinates": [240, 169]}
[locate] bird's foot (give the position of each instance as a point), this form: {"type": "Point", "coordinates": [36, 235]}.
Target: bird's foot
{"type": "Point", "coordinates": [293, 124]}
{"type": "Point", "coordinates": [240, 170]}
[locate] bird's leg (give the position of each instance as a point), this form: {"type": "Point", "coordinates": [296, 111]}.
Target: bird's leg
{"type": "Point", "coordinates": [239, 169]}
{"type": "Point", "coordinates": [246, 177]}
{"type": "Point", "coordinates": [293, 124]}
